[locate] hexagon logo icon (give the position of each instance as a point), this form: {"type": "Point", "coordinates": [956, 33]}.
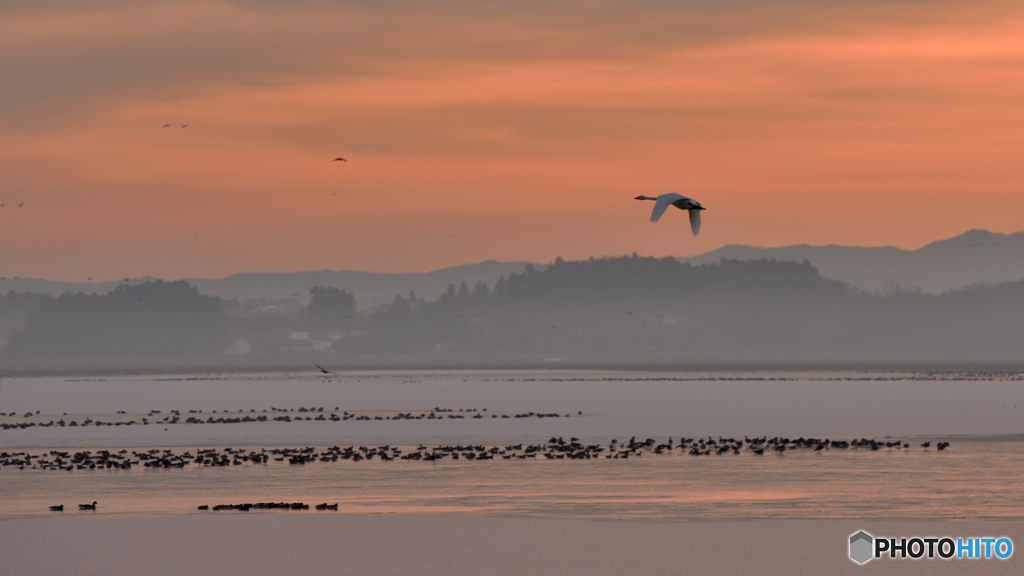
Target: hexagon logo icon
{"type": "Point", "coordinates": [861, 545]}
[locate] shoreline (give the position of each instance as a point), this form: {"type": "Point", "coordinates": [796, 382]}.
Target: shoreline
{"type": "Point", "coordinates": [306, 367]}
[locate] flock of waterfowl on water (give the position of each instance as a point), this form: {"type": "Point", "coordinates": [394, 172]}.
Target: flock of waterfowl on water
{"type": "Point", "coordinates": [268, 506]}
{"type": "Point", "coordinates": [314, 414]}
{"type": "Point", "coordinates": [219, 507]}
{"type": "Point", "coordinates": [553, 449]}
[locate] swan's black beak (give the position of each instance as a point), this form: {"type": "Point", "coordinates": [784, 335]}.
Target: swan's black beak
{"type": "Point", "coordinates": [638, 198]}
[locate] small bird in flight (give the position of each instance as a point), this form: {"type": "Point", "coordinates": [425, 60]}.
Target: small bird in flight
{"type": "Point", "coordinates": [321, 369]}
{"type": "Point", "coordinates": [339, 160]}
{"type": "Point", "coordinates": [184, 125]}
{"type": "Point", "coordinates": [167, 126]}
{"type": "Point", "coordinates": [20, 204]}
{"type": "Point", "coordinates": [679, 201]}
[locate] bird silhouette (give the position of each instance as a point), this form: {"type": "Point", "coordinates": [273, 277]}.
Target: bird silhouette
{"type": "Point", "coordinates": [321, 369]}
{"type": "Point", "coordinates": [184, 125]}
{"type": "Point", "coordinates": [166, 125]}
{"type": "Point", "coordinates": [20, 204]}
{"type": "Point", "coordinates": [679, 201]}
{"type": "Point", "coordinates": [339, 160]}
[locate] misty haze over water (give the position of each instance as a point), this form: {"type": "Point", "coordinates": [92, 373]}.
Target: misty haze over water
{"type": "Point", "coordinates": [628, 311]}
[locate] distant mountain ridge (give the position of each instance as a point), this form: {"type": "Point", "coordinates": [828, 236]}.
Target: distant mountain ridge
{"type": "Point", "coordinates": [368, 287]}
{"type": "Point", "coordinates": [974, 257]}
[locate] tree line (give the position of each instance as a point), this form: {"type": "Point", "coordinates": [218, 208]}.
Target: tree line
{"type": "Point", "coordinates": [607, 310]}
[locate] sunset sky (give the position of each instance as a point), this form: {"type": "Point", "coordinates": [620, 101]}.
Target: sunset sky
{"type": "Point", "coordinates": [483, 129]}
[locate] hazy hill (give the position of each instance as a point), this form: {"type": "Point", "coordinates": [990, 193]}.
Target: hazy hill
{"type": "Point", "coordinates": [155, 318]}
{"type": "Point", "coordinates": [977, 256]}
{"type": "Point", "coordinates": [611, 311]}
{"type": "Point", "coordinates": [14, 309]}
{"type": "Point", "coordinates": [368, 287]}
{"type": "Point", "coordinates": [647, 311]}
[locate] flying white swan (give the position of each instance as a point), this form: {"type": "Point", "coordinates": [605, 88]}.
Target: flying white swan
{"type": "Point", "coordinates": [661, 203]}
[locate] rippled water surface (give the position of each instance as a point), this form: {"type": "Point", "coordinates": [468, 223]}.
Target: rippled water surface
{"type": "Point", "coordinates": [972, 480]}
{"type": "Point", "coordinates": [977, 478]}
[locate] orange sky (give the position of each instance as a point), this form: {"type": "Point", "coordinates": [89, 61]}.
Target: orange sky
{"type": "Point", "coordinates": [507, 130]}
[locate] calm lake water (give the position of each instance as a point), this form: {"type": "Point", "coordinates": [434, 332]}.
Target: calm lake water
{"type": "Point", "coordinates": [978, 479]}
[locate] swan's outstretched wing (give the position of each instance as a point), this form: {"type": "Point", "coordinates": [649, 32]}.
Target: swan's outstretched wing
{"type": "Point", "coordinates": [664, 201]}
{"type": "Point", "coordinates": [695, 221]}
